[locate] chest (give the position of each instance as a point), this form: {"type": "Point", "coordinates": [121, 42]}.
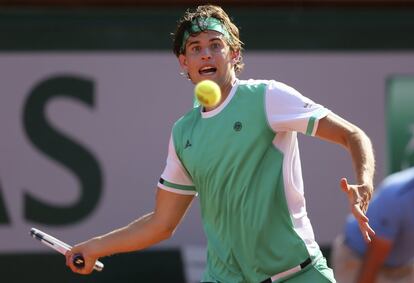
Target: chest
{"type": "Point", "coordinates": [220, 145]}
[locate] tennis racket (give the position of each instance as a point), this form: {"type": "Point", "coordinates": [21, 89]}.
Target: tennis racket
{"type": "Point", "coordinates": [62, 248]}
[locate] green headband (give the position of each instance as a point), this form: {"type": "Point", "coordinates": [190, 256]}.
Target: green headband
{"type": "Point", "coordinates": [202, 24]}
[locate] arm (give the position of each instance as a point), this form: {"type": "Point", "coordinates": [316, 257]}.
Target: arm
{"type": "Point", "coordinates": [144, 232]}
{"type": "Point", "coordinates": [377, 252]}
{"type": "Point", "coordinates": [334, 129]}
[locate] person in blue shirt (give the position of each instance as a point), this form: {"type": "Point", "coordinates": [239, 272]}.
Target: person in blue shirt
{"type": "Point", "coordinates": [390, 255]}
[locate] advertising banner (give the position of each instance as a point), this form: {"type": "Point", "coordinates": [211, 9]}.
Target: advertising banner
{"type": "Point", "coordinates": [84, 135]}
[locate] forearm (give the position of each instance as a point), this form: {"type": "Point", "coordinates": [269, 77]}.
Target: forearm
{"type": "Point", "coordinates": [144, 232]}
{"type": "Point", "coordinates": [370, 267]}
{"type": "Point", "coordinates": [377, 252]}
{"type": "Point", "coordinates": [369, 270]}
{"type": "Point", "coordinates": [139, 234]}
{"type": "Point", "coordinates": [367, 277]}
{"type": "Point", "coordinates": [335, 129]}
{"type": "Point", "coordinates": [360, 148]}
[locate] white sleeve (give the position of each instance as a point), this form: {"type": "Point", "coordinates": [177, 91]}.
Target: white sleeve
{"type": "Point", "coordinates": [288, 110]}
{"type": "Point", "coordinates": [175, 177]}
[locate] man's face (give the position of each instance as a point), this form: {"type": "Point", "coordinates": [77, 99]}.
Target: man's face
{"type": "Point", "coordinates": [208, 56]}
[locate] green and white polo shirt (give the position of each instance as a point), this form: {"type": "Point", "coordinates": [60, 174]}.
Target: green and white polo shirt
{"type": "Point", "coordinates": [242, 159]}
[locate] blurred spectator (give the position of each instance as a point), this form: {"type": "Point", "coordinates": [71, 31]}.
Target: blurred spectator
{"type": "Point", "coordinates": [389, 258]}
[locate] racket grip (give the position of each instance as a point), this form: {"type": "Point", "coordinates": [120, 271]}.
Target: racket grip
{"type": "Point", "coordinates": [79, 262]}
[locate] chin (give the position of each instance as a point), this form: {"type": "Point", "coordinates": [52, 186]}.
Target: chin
{"type": "Point", "coordinates": [211, 78]}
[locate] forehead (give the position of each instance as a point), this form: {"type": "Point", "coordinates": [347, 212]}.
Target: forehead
{"type": "Point", "coordinates": [205, 36]}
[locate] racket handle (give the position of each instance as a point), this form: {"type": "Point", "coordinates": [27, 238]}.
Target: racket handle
{"type": "Point", "coordinates": [79, 262]}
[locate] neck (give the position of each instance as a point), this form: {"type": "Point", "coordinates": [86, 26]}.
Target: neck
{"type": "Point", "coordinates": [226, 88]}
{"type": "Point", "coordinates": [225, 91]}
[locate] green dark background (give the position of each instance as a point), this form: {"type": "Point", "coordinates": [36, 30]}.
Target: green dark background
{"type": "Point", "coordinates": [319, 28]}
{"type": "Point", "coordinates": [262, 28]}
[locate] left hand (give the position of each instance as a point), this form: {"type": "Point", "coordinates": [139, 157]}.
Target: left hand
{"type": "Point", "coordinates": [359, 197]}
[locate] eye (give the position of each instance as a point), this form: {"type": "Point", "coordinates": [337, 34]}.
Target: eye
{"type": "Point", "coordinates": [195, 49]}
{"type": "Point", "coordinates": [215, 46]}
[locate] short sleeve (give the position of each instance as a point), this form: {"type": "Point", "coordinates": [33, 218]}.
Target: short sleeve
{"type": "Point", "coordinates": [288, 110]}
{"type": "Point", "coordinates": [385, 215]}
{"type": "Point", "coordinates": [175, 177]}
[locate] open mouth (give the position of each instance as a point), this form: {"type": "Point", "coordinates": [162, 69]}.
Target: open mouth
{"type": "Point", "coordinates": [207, 71]}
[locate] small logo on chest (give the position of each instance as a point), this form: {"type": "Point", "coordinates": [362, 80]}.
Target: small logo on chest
{"type": "Point", "coordinates": [237, 126]}
{"type": "Point", "coordinates": [187, 144]}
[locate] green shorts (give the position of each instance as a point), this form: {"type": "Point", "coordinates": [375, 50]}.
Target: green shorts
{"type": "Point", "coordinates": [317, 272]}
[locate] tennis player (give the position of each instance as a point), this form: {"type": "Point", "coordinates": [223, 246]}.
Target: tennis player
{"type": "Point", "coordinates": [241, 158]}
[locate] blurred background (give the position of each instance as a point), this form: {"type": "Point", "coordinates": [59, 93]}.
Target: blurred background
{"type": "Point", "coordinates": [89, 91]}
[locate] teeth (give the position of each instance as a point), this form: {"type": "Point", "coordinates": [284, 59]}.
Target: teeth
{"type": "Point", "coordinates": [207, 70]}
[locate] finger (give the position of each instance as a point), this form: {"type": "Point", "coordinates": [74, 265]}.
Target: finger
{"type": "Point", "coordinates": [344, 185]}
{"type": "Point", "coordinates": [87, 268]}
{"type": "Point", "coordinates": [359, 215]}
{"type": "Point", "coordinates": [366, 237]}
{"type": "Point", "coordinates": [363, 206]}
{"type": "Point", "coordinates": [366, 204]}
{"type": "Point", "coordinates": [71, 265]}
{"type": "Point", "coordinates": [68, 256]}
{"type": "Point", "coordinates": [367, 231]}
{"type": "Point", "coordinates": [365, 196]}
{"type": "Point", "coordinates": [371, 231]}
{"type": "Point", "coordinates": [368, 196]}
{"type": "Point", "coordinates": [364, 231]}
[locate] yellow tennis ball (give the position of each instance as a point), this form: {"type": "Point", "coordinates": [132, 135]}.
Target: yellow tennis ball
{"type": "Point", "coordinates": [208, 93]}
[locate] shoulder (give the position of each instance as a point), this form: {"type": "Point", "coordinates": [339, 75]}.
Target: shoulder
{"type": "Point", "coordinates": [395, 192]}
{"type": "Point", "coordinates": [269, 84]}
{"type": "Point", "coordinates": [398, 183]}
{"type": "Point", "coordinates": [251, 86]}
{"type": "Point", "coordinates": [280, 94]}
{"type": "Point", "coordinates": [186, 119]}
{"type": "Point", "coordinates": [271, 88]}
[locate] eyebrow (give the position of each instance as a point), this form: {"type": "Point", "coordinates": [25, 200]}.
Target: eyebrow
{"type": "Point", "coordinates": [189, 42]}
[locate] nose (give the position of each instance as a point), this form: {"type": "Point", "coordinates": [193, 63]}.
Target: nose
{"type": "Point", "coordinates": [206, 54]}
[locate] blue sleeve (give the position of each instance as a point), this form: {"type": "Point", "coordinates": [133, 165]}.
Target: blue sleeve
{"type": "Point", "coordinates": [385, 215]}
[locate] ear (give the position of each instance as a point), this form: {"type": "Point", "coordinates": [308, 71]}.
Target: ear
{"type": "Point", "coordinates": [183, 62]}
{"type": "Point", "coordinates": [235, 56]}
